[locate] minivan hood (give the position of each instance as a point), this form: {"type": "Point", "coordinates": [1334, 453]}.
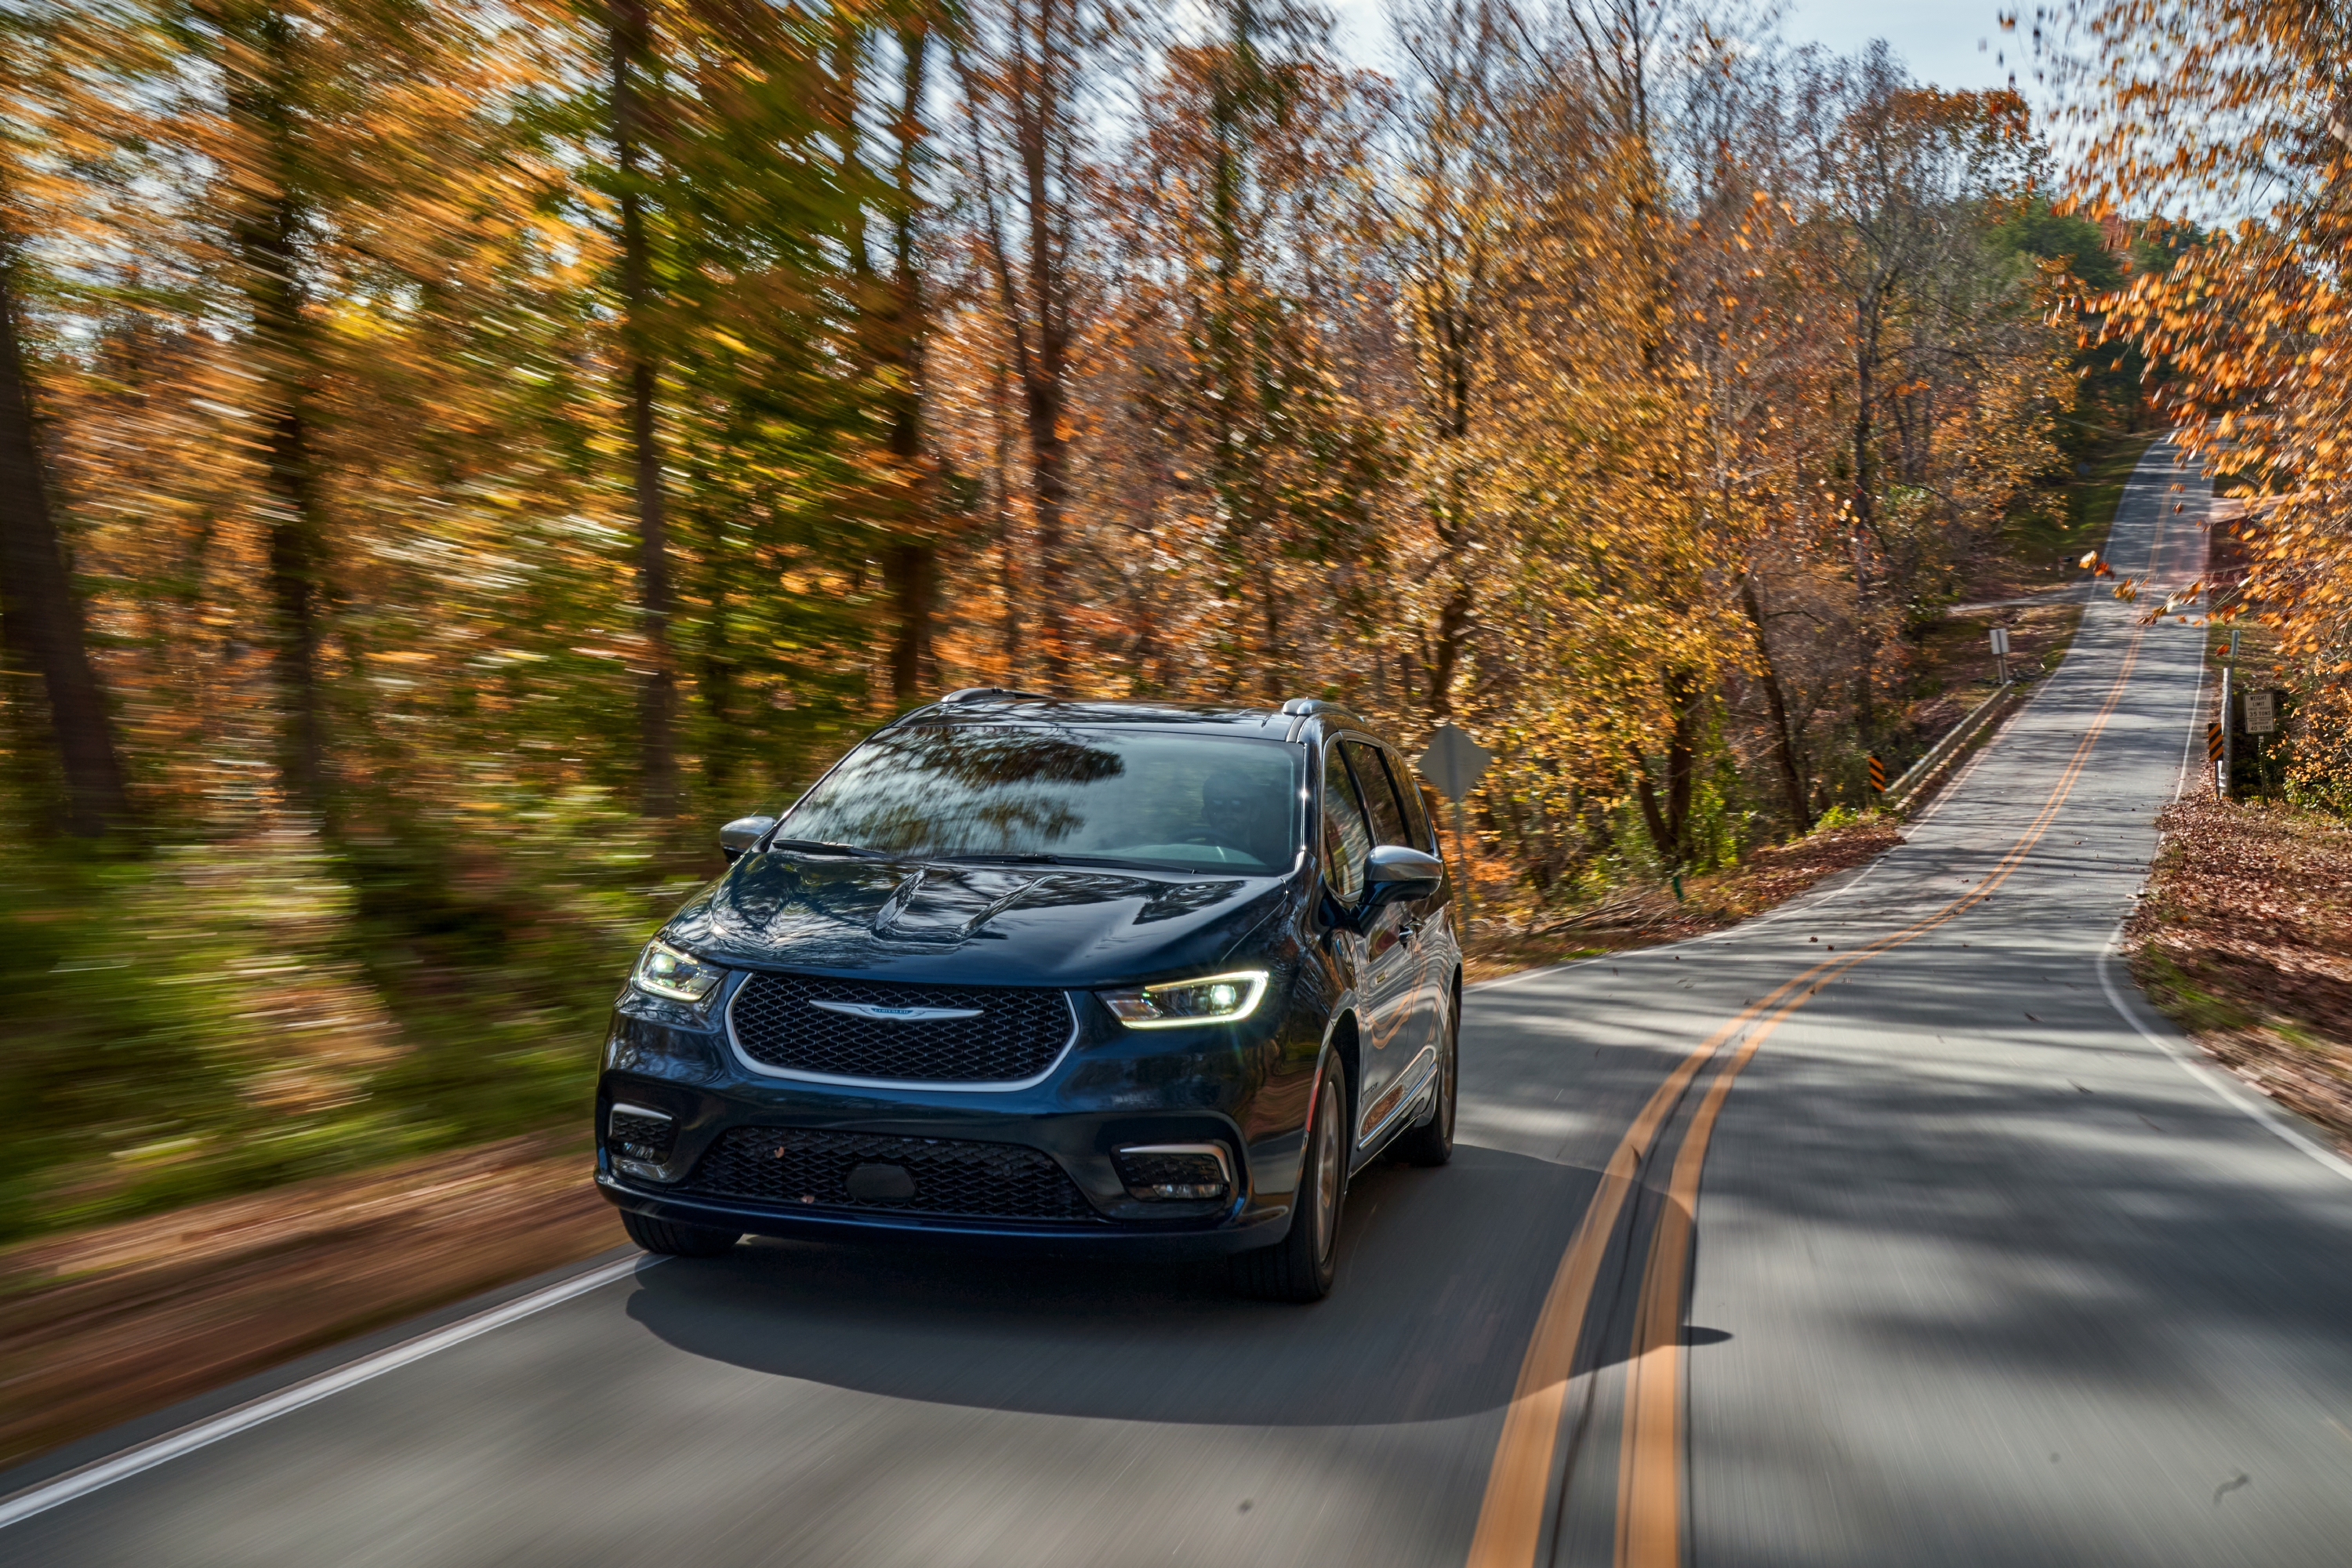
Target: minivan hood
{"type": "Point", "coordinates": [915, 919]}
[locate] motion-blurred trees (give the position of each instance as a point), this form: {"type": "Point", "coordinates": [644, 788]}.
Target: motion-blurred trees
{"type": "Point", "coordinates": [482, 365]}
{"type": "Point", "coordinates": [492, 441]}
{"type": "Point", "coordinates": [42, 629]}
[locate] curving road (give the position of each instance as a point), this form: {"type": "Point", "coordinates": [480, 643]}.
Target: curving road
{"type": "Point", "coordinates": [1889, 1228]}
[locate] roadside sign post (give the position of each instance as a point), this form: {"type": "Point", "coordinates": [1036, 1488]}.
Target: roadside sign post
{"type": "Point", "coordinates": [2262, 721]}
{"type": "Point", "coordinates": [1455, 763]}
{"type": "Point", "coordinates": [2229, 715]}
{"type": "Point", "coordinates": [2001, 653]}
{"type": "Point", "coordinates": [2262, 712]}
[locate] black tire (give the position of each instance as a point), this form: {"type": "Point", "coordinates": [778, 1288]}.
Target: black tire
{"type": "Point", "coordinates": [1431, 1143]}
{"type": "Point", "coordinates": [676, 1240]}
{"type": "Point", "coordinates": [1302, 1264]}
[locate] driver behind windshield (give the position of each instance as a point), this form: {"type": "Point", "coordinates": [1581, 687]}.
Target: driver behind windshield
{"type": "Point", "coordinates": [1234, 813]}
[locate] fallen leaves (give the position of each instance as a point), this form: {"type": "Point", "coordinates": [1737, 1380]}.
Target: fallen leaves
{"type": "Point", "coordinates": [2245, 940]}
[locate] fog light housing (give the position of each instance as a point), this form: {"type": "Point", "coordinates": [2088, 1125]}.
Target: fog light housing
{"type": "Point", "coordinates": [1174, 1173]}
{"type": "Point", "coordinates": [640, 1139]}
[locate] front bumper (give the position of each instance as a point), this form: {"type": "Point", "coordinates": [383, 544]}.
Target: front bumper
{"type": "Point", "coordinates": [1238, 1233]}
{"type": "Point", "coordinates": [1231, 1085]}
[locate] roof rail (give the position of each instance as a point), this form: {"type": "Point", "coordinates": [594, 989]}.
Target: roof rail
{"type": "Point", "coordinates": [992, 694]}
{"type": "Point", "coordinates": [1299, 710]}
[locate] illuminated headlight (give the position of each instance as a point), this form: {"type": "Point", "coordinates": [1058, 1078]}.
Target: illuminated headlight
{"type": "Point", "coordinates": [662, 971]}
{"type": "Point", "coordinates": [1215, 999]}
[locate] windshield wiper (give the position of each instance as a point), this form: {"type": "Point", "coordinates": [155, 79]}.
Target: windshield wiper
{"type": "Point", "coordinates": [820, 846]}
{"type": "Point", "coordinates": [1011, 857]}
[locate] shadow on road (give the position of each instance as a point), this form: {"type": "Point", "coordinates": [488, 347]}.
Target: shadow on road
{"type": "Point", "coordinates": [1442, 1276]}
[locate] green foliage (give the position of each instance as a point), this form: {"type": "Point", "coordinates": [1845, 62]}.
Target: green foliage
{"type": "Point", "coordinates": [2113, 374]}
{"type": "Point", "coordinates": [1842, 815]}
{"type": "Point", "coordinates": [215, 1018]}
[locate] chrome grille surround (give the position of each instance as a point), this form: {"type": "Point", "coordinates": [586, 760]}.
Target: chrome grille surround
{"type": "Point", "coordinates": [895, 992]}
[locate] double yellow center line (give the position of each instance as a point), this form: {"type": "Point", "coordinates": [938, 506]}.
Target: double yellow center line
{"type": "Point", "coordinates": [1649, 1514]}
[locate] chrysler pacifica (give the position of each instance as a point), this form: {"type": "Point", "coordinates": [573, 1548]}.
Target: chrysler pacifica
{"type": "Point", "coordinates": [1020, 971]}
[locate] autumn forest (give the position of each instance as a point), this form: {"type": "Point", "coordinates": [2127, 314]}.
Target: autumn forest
{"type": "Point", "coordinates": [457, 452]}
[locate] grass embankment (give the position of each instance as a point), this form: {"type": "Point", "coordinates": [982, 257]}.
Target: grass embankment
{"type": "Point", "coordinates": [2245, 940]}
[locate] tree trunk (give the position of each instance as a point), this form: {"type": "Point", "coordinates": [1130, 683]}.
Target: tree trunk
{"type": "Point", "coordinates": [266, 228]}
{"type": "Point", "coordinates": [1662, 832]}
{"type": "Point", "coordinates": [1049, 458]}
{"type": "Point", "coordinates": [1865, 715]}
{"type": "Point", "coordinates": [657, 684]}
{"type": "Point", "coordinates": [1270, 677]}
{"type": "Point", "coordinates": [1865, 365]}
{"type": "Point", "coordinates": [38, 612]}
{"type": "Point", "coordinates": [910, 562]}
{"type": "Point", "coordinates": [910, 575]}
{"type": "Point", "coordinates": [1037, 312]}
{"type": "Point", "coordinates": [1453, 632]}
{"type": "Point", "coordinates": [715, 671]}
{"type": "Point", "coordinates": [1784, 749]}
{"type": "Point", "coordinates": [1011, 635]}
{"type": "Point", "coordinates": [1048, 384]}
{"type": "Point", "coordinates": [1682, 761]}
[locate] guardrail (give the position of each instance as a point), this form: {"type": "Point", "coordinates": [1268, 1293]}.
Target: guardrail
{"type": "Point", "coordinates": [1953, 739]}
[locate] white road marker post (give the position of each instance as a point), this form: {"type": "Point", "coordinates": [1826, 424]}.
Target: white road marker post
{"type": "Point", "coordinates": [2228, 719]}
{"type": "Point", "coordinates": [1455, 763]}
{"type": "Point", "coordinates": [2001, 653]}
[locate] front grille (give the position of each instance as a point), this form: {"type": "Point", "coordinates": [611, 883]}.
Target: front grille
{"type": "Point", "coordinates": [1014, 1033]}
{"type": "Point", "coordinates": [790, 1167]}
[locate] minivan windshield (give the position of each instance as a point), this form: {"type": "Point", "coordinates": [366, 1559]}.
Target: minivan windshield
{"type": "Point", "coordinates": [1066, 792]}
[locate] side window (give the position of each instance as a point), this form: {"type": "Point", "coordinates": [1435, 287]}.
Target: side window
{"type": "Point", "coordinates": [1416, 820]}
{"type": "Point", "coordinates": [1432, 815]}
{"type": "Point", "coordinates": [1388, 816]}
{"type": "Point", "coordinates": [1346, 837]}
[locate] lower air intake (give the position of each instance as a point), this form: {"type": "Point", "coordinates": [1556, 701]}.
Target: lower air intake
{"type": "Point", "coordinates": [634, 1133]}
{"type": "Point", "coordinates": [796, 1169]}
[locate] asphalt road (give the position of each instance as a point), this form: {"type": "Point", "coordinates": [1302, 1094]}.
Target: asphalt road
{"type": "Point", "coordinates": [1873, 1232]}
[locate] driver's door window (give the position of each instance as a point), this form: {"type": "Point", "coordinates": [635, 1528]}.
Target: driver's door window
{"type": "Point", "coordinates": [1346, 838]}
{"type": "Point", "coordinates": [1388, 816]}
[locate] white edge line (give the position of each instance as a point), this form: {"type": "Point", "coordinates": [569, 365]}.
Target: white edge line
{"type": "Point", "coordinates": [2189, 742]}
{"type": "Point", "coordinates": [170, 1446]}
{"type": "Point", "coordinates": [2195, 712]}
{"type": "Point", "coordinates": [2225, 1087]}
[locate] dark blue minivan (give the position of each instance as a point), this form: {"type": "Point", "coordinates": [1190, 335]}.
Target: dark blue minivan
{"type": "Point", "coordinates": [1025, 970]}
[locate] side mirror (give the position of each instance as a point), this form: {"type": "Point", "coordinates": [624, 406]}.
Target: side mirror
{"type": "Point", "coordinates": [1396, 875]}
{"type": "Point", "coordinates": [739, 836]}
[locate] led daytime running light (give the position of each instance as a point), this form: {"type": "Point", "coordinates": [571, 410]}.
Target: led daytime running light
{"type": "Point", "coordinates": [1179, 1004]}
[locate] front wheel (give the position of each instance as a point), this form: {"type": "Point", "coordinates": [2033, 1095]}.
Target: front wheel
{"type": "Point", "coordinates": [1431, 1143]}
{"type": "Point", "coordinates": [676, 1240]}
{"type": "Point", "coordinates": [1302, 1264]}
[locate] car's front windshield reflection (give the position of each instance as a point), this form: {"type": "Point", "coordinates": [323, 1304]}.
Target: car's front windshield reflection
{"type": "Point", "coordinates": [1063, 792]}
